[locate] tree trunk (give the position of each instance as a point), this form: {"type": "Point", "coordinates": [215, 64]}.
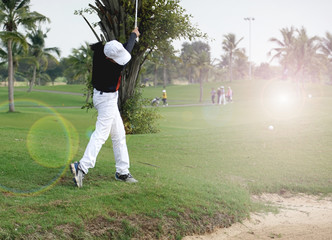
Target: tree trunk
{"type": "Point", "coordinates": [190, 79]}
{"type": "Point", "coordinates": [155, 76]}
{"type": "Point", "coordinates": [165, 73]}
{"type": "Point", "coordinates": [230, 68]}
{"type": "Point", "coordinates": [201, 85]}
{"type": "Point", "coordinates": [33, 78]}
{"type": "Point", "coordinates": [128, 81]}
{"type": "Point", "coordinates": [10, 77]}
{"type": "Point", "coordinates": [87, 96]}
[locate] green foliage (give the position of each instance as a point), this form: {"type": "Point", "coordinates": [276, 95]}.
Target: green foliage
{"type": "Point", "coordinates": [15, 14]}
{"type": "Point", "coordinates": [81, 70]}
{"type": "Point", "coordinates": [300, 55]}
{"type": "Point", "coordinates": [234, 54]}
{"type": "Point", "coordinates": [39, 57]}
{"type": "Point", "coordinates": [88, 91]}
{"type": "Point", "coordinates": [80, 62]}
{"type": "Point", "coordinates": [137, 117]}
{"type": "Point", "coordinates": [161, 66]}
{"type": "Point", "coordinates": [196, 59]}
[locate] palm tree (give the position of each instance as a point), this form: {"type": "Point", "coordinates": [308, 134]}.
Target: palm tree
{"type": "Point", "coordinates": [298, 54]}
{"type": "Point", "coordinates": [167, 53]}
{"type": "Point", "coordinates": [326, 48]}
{"type": "Point", "coordinates": [187, 57]}
{"type": "Point", "coordinates": [81, 66]}
{"type": "Point", "coordinates": [18, 50]}
{"type": "Point", "coordinates": [326, 45]}
{"type": "Point", "coordinates": [230, 46]}
{"type": "Point", "coordinates": [15, 13]}
{"type": "Point", "coordinates": [240, 64]}
{"type": "Point", "coordinates": [203, 63]}
{"type": "Point", "coordinates": [201, 59]}
{"type": "Point", "coordinates": [41, 54]}
{"type": "Point", "coordinates": [305, 54]}
{"type": "Point", "coordinates": [283, 51]}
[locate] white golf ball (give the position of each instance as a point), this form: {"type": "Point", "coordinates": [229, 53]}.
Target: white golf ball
{"type": "Point", "coordinates": [271, 127]}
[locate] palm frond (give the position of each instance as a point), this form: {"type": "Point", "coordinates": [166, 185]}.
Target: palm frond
{"type": "Point", "coordinates": [15, 37]}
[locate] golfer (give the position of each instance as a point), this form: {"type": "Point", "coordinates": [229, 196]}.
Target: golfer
{"type": "Point", "coordinates": [108, 63]}
{"type": "Point", "coordinates": [164, 98]}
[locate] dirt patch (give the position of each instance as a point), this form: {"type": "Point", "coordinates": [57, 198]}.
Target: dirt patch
{"type": "Point", "coordinates": [119, 226]}
{"type": "Point", "coordinates": [300, 217]}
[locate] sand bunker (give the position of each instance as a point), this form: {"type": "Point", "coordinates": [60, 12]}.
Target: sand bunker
{"type": "Point", "coordinates": [300, 217]}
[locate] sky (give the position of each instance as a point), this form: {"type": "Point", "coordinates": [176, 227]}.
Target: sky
{"type": "Point", "coordinates": [214, 17]}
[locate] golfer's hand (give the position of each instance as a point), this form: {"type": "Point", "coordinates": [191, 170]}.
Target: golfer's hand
{"type": "Point", "coordinates": [136, 32]}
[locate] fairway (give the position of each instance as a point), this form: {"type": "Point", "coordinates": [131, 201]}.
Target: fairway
{"type": "Point", "coordinates": [196, 174]}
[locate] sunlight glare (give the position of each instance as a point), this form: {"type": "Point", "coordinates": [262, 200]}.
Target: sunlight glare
{"type": "Point", "coordinates": [284, 99]}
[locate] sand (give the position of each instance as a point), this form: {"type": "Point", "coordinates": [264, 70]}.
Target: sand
{"type": "Point", "coordinates": [300, 217]}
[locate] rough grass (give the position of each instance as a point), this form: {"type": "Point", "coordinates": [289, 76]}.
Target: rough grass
{"type": "Point", "coordinates": [196, 174]}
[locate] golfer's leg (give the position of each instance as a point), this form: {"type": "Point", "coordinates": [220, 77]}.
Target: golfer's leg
{"type": "Point", "coordinates": [98, 137]}
{"type": "Point", "coordinates": [120, 150]}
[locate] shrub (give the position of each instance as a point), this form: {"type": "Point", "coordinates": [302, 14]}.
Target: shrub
{"type": "Point", "coordinates": [138, 117]}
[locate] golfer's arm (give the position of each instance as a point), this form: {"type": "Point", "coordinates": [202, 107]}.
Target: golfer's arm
{"type": "Point", "coordinates": [131, 42]}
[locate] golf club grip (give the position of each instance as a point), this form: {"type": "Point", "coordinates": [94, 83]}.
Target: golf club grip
{"type": "Point", "coordinates": [136, 9]}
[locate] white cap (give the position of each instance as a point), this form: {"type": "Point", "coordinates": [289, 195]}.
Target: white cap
{"type": "Point", "coordinates": [117, 52]}
{"type": "Point", "coordinates": [164, 90]}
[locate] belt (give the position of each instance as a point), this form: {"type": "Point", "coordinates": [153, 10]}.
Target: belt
{"type": "Point", "coordinates": [102, 91]}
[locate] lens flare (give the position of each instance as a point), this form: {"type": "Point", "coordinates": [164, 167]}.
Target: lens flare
{"type": "Point", "coordinates": [281, 100]}
{"type": "Point", "coordinates": [284, 99]}
{"type": "Point", "coordinates": [51, 143]}
{"type": "Point", "coordinates": [89, 131]}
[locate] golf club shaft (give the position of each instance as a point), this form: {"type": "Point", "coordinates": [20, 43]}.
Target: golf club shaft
{"type": "Point", "coordinates": [136, 9]}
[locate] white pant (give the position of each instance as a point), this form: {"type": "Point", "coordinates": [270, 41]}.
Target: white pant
{"type": "Point", "coordinates": [222, 99]}
{"type": "Point", "coordinates": [109, 122]}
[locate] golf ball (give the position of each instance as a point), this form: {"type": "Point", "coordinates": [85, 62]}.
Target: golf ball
{"type": "Point", "coordinates": [271, 127]}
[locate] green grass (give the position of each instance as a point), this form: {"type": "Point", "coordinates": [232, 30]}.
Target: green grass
{"type": "Point", "coordinates": [27, 99]}
{"type": "Point", "coordinates": [198, 172]}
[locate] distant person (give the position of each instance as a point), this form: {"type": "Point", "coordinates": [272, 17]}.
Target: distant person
{"type": "Point", "coordinates": [213, 95]}
{"type": "Point", "coordinates": [108, 63]}
{"type": "Point", "coordinates": [229, 95]}
{"type": "Point", "coordinates": [219, 95]}
{"type": "Point", "coordinates": [223, 97]}
{"type": "Point", "coordinates": [164, 98]}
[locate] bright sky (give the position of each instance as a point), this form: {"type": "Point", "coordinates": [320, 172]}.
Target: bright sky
{"type": "Point", "coordinates": [214, 17]}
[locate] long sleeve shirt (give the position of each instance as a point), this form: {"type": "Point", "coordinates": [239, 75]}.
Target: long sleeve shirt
{"type": "Point", "coordinates": [106, 75]}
